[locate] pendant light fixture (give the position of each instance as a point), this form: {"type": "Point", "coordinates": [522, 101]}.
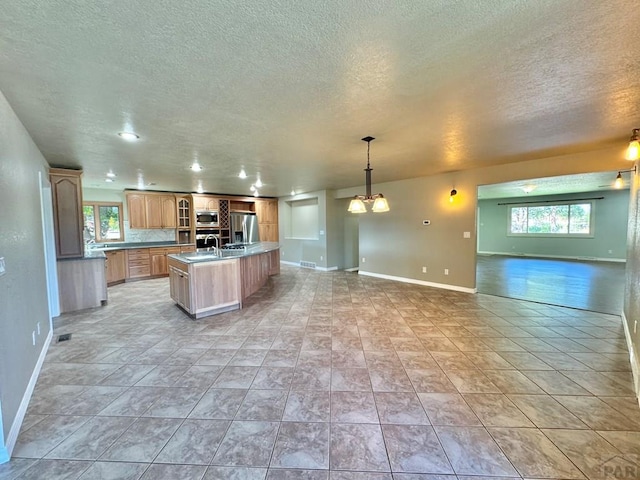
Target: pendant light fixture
{"type": "Point", "coordinates": [358, 202]}
{"type": "Point", "coordinates": [633, 150]}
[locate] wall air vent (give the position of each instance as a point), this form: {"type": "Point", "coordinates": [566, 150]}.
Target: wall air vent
{"type": "Point", "coordinates": [308, 264]}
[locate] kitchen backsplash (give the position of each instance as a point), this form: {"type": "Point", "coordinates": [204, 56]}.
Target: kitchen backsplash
{"type": "Point", "coordinates": [148, 235]}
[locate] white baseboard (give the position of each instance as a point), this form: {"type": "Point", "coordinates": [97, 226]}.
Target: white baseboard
{"type": "Point", "coordinates": [633, 358]}
{"type": "Point", "coordinates": [563, 257]}
{"type": "Point", "coordinates": [322, 269]}
{"type": "Point", "coordinates": [420, 282]}
{"type": "Point", "coordinates": [293, 264]}
{"type": "Point", "coordinates": [327, 269]}
{"type": "Point", "coordinates": [22, 409]}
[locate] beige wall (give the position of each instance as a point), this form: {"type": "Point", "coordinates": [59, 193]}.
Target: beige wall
{"type": "Point", "coordinates": [23, 291]}
{"type": "Point", "coordinates": [397, 244]}
{"type": "Point", "coordinates": [632, 290]}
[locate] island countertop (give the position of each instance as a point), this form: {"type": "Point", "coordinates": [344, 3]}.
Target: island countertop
{"type": "Point", "coordinates": [249, 250]}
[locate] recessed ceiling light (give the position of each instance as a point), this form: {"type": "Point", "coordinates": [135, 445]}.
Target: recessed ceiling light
{"type": "Point", "coordinates": [252, 188]}
{"type": "Point", "coordinates": [242, 173]}
{"type": "Point", "coordinates": [258, 183]}
{"type": "Point", "coordinates": [529, 188]}
{"type": "Point", "coordinates": [196, 167]}
{"type": "Point", "coordinates": [108, 179]}
{"type": "Point", "coordinates": [129, 136]}
{"type": "Point", "coordinates": [110, 174]}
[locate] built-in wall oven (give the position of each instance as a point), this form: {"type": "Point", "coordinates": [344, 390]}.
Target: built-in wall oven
{"type": "Point", "coordinates": [208, 218]}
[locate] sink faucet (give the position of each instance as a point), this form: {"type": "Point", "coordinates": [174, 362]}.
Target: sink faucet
{"type": "Point", "coordinates": [216, 249]}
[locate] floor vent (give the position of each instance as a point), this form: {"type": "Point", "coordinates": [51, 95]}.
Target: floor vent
{"type": "Point", "coordinates": [64, 337]}
{"type": "Point", "coordinates": [308, 264]}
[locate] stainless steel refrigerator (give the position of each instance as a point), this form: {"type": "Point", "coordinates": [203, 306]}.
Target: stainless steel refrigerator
{"type": "Point", "coordinates": [244, 228]}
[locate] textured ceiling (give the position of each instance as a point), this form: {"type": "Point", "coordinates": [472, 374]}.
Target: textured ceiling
{"type": "Point", "coordinates": [287, 89]}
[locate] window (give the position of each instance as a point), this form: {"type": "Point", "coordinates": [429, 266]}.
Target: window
{"type": "Point", "coordinates": [562, 219]}
{"type": "Point", "coordinates": [102, 222]}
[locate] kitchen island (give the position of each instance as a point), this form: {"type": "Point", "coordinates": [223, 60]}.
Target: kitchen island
{"type": "Point", "coordinates": [208, 283]}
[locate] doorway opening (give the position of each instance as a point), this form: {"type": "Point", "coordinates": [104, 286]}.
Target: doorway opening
{"type": "Point", "coordinates": [558, 240]}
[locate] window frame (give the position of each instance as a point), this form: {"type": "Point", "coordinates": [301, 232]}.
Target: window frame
{"type": "Point", "coordinates": [554, 203]}
{"type": "Point", "coordinates": [96, 208]}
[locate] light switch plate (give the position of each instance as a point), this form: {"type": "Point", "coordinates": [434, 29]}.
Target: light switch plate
{"type": "Point", "coordinates": [2, 269]}
{"type": "Point", "coordinates": [467, 235]}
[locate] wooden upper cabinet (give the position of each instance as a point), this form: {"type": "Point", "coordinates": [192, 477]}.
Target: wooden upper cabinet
{"type": "Point", "coordinates": [267, 211]}
{"type": "Point", "coordinates": [153, 206]}
{"type": "Point", "coordinates": [205, 202]}
{"type": "Point", "coordinates": [169, 211]}
{"type": "Point", "coordinates": [183, 205]}
{"type": "Point", "coordinates": [66, 189]}
{"type": "Point", "coordinates": [137, 209]}
{"type": "Point", "coordinates": [149, 210]}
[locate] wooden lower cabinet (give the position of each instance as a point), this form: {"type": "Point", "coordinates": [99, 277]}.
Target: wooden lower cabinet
{"type": "Point", "coordinates": [81, 283]}
{"type": "Point", "coordinates": [205, 288]}
{"type": "Point", "coordinates": [138, 263]}
{"type": "Point", "coordinates": [257, 269]}
{"type": "Point", "coordinates": [179, 288]}
{"type": "Point", "coordinates": [217, 286]}
{"type": "Point", "coordinates": [158, 258]}
{"type": "Point", "coordinates": [116, 265]}
{"type": "Point", "coordinates": [274, 262]}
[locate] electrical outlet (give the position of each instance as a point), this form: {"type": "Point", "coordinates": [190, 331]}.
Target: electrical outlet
{"type": "Point", "coordinates": [33, 337]}
{"type": "Point", "coordinates": [364, 260]}
{"type": "Point", "coordinates": [38, 327]}
{"type": "Point", "coordinates": [610, 251]}
{"type": "Point", "coordinates": [321, 258]}
{"type": "Point", "coordinates": [466, 235]}
{"type": "Point", "coordinates": [424, 269]}
{"type": "Point", "coordinates": [446, 271]}
{"type": "Point", "coordinates": [2, 268]}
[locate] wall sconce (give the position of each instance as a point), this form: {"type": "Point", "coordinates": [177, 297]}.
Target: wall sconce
{"type": "Point", "coordinates": [453, 193]}
{"type": "Point", "coordinates": [380, 203]}
{"type": "Point", "coordinates": [633, 150]}
{"type": "Point", "coordinates": [619, 183]}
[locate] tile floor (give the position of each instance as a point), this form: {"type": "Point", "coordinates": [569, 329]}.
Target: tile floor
{"type": "Point", "coordinates": [332, 376]}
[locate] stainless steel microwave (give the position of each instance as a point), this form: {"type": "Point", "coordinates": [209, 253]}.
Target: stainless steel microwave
{"type": "Point", "coordinates": [207, 218]}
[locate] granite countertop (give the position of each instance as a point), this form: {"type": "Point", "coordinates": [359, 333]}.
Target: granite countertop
{"type": "Point", "coordinates": [88, 255]}
{"type": "Point", "coordinates": [105, 247]}
{"type": "Point", "coordinates": [255, 249]}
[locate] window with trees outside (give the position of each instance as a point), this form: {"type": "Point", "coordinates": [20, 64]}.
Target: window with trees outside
{"type": "Point", "coordinates": [102, 222]}
{"type": "Point", "coordinates": [562, 219]}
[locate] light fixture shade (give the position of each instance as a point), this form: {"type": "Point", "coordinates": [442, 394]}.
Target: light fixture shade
{"type": "Point", "coordinates": [633, 150]}
{"type": "Point", "coordinates": [380, 204]}
{"type": "Point", "coordinates": [357, 206]}
{"type": "Point", "coordinates": [619, 183]}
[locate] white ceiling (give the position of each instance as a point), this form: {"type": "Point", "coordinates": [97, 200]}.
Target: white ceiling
{"type": "Point", "coordinates": [287, 89]}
